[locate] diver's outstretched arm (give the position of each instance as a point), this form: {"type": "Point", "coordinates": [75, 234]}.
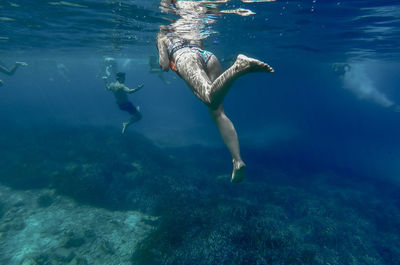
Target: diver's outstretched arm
{"type": "Point", "coordinates": [130, 91]}
{"type": "Point", "coordinates": [106, 82]}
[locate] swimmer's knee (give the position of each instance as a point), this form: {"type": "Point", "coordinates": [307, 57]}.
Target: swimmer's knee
{"type": "Point", "coordinates": [212, 106]}
{"type": "Point", "coordinates": [214, 68]}
{"type": "Point", "coordinates": [216, 111]}
{"type": "Point", "coordinates": [204, 97]}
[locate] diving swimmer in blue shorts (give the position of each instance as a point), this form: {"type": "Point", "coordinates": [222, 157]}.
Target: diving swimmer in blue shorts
{"type": "Point", "coordinates": [121, 91]}
{"type": "Point", "coordinates": [202, 72]}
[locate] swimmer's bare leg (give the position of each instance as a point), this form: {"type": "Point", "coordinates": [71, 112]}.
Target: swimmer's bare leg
{"type": "Point", "coordinates": [1, 83]}
{"type": "Point", "coordinates": [211, 86]}
{"type": "Point", "coordinates": [243, 65]}
{"type": "Point", "coordinates": [225, 126]}
{"type": "Point", "coordinates": [11, 71]}
{"type": "Point", "coordinates": [230, 138]}
{"type": "Point", "coordinates": [136, 117]}
{"type": "Point", "coordinates": [213, 93]}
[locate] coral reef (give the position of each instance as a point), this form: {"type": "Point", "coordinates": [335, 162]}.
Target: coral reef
{"type": "Point", "coordinates": [65, 232]}
{"type": "Point", "coordinates": [92, 196]}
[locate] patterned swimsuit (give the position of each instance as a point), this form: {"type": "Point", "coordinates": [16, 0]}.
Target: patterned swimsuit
{"type": "Point", "coordinates": [181, 44]}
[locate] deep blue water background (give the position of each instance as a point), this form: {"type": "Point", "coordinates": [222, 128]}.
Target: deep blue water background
{"type": "Point", "coordinates": [304, 119]}
{"type": "Point", "coordinates": [302, 114]}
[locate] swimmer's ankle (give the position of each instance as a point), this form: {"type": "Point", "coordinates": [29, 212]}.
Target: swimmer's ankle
{"type": "Point", "coordinates": [238, 172]}
{"type": "Point", "coordinates": [124, 126]}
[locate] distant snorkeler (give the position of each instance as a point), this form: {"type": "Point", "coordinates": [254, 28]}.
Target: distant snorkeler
{"type": "Point", "coordinates": [121, 92]}
{"type": "Point", "coordinates": [10, 71]}
{"type": "Point", "coordinates": [361, 85]}
{"type": "Point", "coordinates": [202, 71]}
{"type": "Point", "coordinates": [341, 68]}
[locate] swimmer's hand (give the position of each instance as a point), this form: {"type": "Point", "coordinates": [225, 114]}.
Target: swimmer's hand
{"type": "Point", "coordinates": [21, 63]}
{"type": "Point", "coordinates": [130, 91]}
{"type": "Point", "coordinates": [105, 78]}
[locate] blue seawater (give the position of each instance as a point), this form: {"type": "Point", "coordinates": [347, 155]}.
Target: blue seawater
{"type": "Point", "coordinates": [320, 137]}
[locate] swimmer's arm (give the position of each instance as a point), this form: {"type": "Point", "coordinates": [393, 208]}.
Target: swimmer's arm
{"type": "Point", "coordinates": [5, 70]}
{"type": "Point", "coordinates": [163, 59]}
{"type": "Point", "coordinates": [108, 85]}
{"type": "Point", "coordinates": [130, 91]}
{"type": "Point", "coordinates": [12, 70]}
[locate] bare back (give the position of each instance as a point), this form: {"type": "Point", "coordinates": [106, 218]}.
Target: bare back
{"type": "Point", "coordinates": [119, 91]}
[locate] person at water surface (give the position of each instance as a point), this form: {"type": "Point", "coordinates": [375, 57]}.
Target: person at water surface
{"type": "Point", "coordinates": [10, 71]}
{"type": "Point", "coordinates": [121, 91]}
{"type": "Point", "coordinates": [202, 72]}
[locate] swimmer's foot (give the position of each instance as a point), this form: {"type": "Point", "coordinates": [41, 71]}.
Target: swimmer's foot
{"type": "Point", "coordinates": [251, 65]}
{"type": "Point", "coordinates": [238, 171]}
{"type": "Point", "coordinates": [21, 63]}
{"type": "Point", "coordinates": [124, 126]}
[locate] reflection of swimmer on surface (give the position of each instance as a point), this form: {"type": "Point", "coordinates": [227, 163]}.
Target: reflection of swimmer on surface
{"type": "Point", "coordinates": [121, 92]}
{"type": "Point", "coordinates": [257, 1]}
{"type": "Point", "coordinates": [10, 71]}
{"type": "Point", "coordinates": [239, 11]}
{"type": "Point", "coordinates": [154, 68]}
{"type": "Point", "coordinates": [202, 72]}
